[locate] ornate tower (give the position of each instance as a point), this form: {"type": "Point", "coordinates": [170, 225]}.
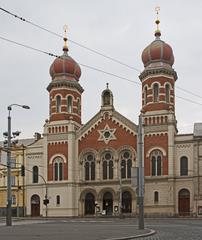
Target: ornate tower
{"type": "Point", "coordinates": [64, 117]}
{"type": "Point", "coordinates": [158, 104]}
{"type": "Point", "coordinates": [65, 90]}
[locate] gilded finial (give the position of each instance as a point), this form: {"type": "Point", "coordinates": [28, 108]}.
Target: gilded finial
{"type": "Point", "coordinates": [157, 32]}
{"type": "Point", "coordinates": [107, 85]}
{"type": "Point", "coordinates": [65, 48]}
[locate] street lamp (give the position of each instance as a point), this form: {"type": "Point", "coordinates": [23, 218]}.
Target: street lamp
{"type": "Point", "coordinates": [9, 137]}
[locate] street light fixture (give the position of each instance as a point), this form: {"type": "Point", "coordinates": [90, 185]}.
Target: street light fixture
{"type": "Point", "coordinates": [9, 137]}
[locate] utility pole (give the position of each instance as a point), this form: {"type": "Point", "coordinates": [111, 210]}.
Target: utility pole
{"type": "Point", "coordinates": [140, 151]}
{"type": "Point", "coordinates": [120, 192]}
{"type": "Point", "coordinates": [9, 193]}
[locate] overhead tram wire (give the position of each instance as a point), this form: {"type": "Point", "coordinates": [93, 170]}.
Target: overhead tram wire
{"type": "Point", "coordinates": [54, 55]}
{"type": "Point", "coordinates": [87, 48]}
{"type": "Point", "coordinates": [74, 42]}
{"type": "Point", "coordinates": [87, 66]}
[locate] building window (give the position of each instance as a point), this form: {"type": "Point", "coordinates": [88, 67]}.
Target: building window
{"type": "Point", "coordinates": [156, 197]}
{"type": "Point", "coordinates": [156, 162]}
{"type": "Point", "coordinates": [126, 164]}
{"type": "Point", "coordinates": [107, 166]}
{"type": "Point", "coordinates": [13, 163]}
{"type": "Point", "coordinates": [156, 92]}
{"type": "Point", "coordinates": [35, 172]}
{"type": "Point", "coordinates": [58, 169]}
{"type": "Point", "coordinates": [58, 104]}
{"type": "Point", "coordinates": [145, 95]}
{"type": "Point", "coordinates": [183, 166]}
{"type": "Point", "coordinates": [69, 104]}
{"type": "Point", "coordinates": [13, 199]}
{"type": "Point", "coordinates": [12, 180]}
{"type": "Point", "coordinates": [89, 167]}
{"type": "Point", "coordinates": [167, 93]}
{"type": "Point", "coordinates": [106, 98]}
{"type": "Point", "coordinates": [58, 199]}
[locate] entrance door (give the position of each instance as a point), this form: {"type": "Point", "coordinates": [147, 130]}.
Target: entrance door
{"type": "Point", "coordinates": [35, 206]}
{"type": "Point", "coordinates": [126, 202]}
{"type": "Point", "coordinates": [184, 202]}
{"type": "Point", "coordinates": [89, 204]}
{"type": "Point", "coordinates": [108, 203]}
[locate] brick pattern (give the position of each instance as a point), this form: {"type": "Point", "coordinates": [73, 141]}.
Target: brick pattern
{"type": "Point", "coordinates": [155, 141]}
{"type": "Point", "coordinates": [123, 137]}
{"type": "Point", "coordinates": [54, 149]}
{"type": "Point", "coordinates": [75, 115]}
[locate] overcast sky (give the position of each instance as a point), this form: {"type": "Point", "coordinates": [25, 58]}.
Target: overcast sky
{"type": "Point", "coordinates": [118, 28]}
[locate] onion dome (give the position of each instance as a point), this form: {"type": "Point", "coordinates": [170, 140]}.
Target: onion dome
{"type": "Point", "coordinates": [65, 65]}
{"type": "Point", "coordinates": [158, 50]}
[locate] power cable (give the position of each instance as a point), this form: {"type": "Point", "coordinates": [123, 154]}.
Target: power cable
{"type": "Point", "coordinates": [74, 42]}
{"type": "Point", "coordinates": [54, 55]}
{"type": "Point", "coordinates": [84, 65]}
{"type": "Point", "coordinates": [87, 48]}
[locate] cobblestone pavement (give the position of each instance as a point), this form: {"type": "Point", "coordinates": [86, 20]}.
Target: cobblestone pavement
{"type": "Point", "coordinates": [176, 229]}
{"type": "Point", "coordinates": [101, 229]}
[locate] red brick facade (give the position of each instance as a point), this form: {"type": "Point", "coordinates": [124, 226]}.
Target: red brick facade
{"type": "Point", "coordinates": [57, 149]}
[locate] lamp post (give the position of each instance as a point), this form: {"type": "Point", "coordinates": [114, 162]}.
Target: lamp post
{"type": "Point", "coordinates": [140, 149]}
{"type": "Point", "coordinates": [9, 137]}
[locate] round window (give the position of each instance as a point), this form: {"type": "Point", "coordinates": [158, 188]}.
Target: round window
{"type": "Point", "coordinates": [107, 134]}
{"type": "Point", "coordinates": [108, 156]}
{"type": "Point", "coordinates": [126, 155]}
{"type": "Point", "coordinates": [90, 157]}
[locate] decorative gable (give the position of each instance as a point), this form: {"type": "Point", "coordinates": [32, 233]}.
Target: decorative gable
{"type": "Point", "coordinates": [107, 134]}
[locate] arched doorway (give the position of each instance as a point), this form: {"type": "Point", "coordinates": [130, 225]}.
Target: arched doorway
{"type": "Point", "coordinates": [89, 204]}
{"type": "Point", "coordinates": [108, 203]}
{"type": "Point", "coordinates": [126, 202]}
{"type": "Point", "coordinates": [35, 206]}
{"type": "Point", "coordinates": [184, 202]}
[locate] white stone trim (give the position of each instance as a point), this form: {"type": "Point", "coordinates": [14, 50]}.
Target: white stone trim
{"type": "Point", "coordinates": [156, 148]}
{"type": "Point", "coordinates": [57, 155]}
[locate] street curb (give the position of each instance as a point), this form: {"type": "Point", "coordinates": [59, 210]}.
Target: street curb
{"type": "Point", "coordinates": [151, 232]}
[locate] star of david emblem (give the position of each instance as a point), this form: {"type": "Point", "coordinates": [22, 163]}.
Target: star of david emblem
{"type": "Point", "coordinates": [107, 134]}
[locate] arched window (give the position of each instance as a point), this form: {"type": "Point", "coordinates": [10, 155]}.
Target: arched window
{"type": "Point", "coordinates": [106, 98]}
{"type": "Point", "coordinates": [108, 166]}
{"type": "Point", "coordinates": [35, 176]}
{"type": "Point", "coordinates": [89, 166]}
{"type": "Point", "coordinates": [123, 168]}
{"type": "Point", "coordinates": [156, 197]}
{"type": "Point", "coordinates": [167, 93]}
{"type": "Point", "coordinates": [126, 164]}
{"type": "Point", "coordinates": [58, 103]}
{"type": "Point", "coordinates": [69, 104]}
{"type": "Point", "coordinates": [156, 92]}
{"type": "Point", "coordinates": [145, 95]}
{"type": "Point", "coordinates": [58, 169]}
{"type": "Point", "coordinates": [156, 162]}
{"type": "Point", "coordinates": [58, 199]}
{"type": "Point", "coordinates": [183, 166]}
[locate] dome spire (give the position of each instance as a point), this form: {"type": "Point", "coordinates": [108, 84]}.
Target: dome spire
{"type": "Point", "coordinates": [157, 32]}
{"type": "Point", "coordinates": [65, 47]}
